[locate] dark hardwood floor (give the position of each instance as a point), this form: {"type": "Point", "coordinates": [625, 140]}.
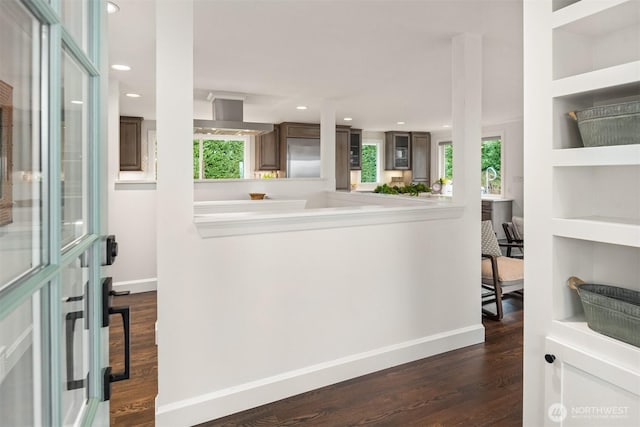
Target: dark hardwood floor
{"type": "Point", "coordinates": [480, 385]}
{"type": "Point", "coordinates": [133, 401]}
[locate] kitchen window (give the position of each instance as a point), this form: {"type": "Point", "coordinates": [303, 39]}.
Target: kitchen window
{"type": "Point", "coordinates": [445, 160]}
{"type": "Point", "coordinates": [220, 157]}
{"type": "Point", "coordinates": [490, 169]}
{"type": "Point", "coordinates": [371, 162]}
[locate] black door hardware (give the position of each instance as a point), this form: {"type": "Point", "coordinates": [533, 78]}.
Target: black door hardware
{"type": "Point", "coordinates": [107, 311]}
{"type": "Point", "coordinates": [109, 249]}
{"type": "Point", "coordinates": [70, 330]}
{"type": "Point", "coordinates": [550, 358]}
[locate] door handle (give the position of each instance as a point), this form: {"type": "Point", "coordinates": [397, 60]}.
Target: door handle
{"type": "Point", "coordinates": [70, 330]}
{"type": "Point", "coordinates": [125, 312]}
{"type": "Point", "coordinates": [126, 322]}
{"type": "Point", "coordinates": [70, 323]}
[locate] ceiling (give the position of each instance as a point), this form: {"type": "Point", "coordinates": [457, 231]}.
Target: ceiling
{"type": "Point", "coordinates": [380, 61]}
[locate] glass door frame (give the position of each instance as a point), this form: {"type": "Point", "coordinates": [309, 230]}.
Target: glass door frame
{"type": "Point", "coordinates": [46, 278]}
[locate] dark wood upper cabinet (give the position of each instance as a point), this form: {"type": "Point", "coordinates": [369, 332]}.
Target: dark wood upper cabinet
{"type": "Point", "coordinates": [343, 169]}
{"type": "Point", "coordinates": [421, 156]}
{"type": "Point", "coordinates": [268, 150]}
{"type": "Point", "coordinates": [397, 148]}
{"type": "Point", "coordinates": [355, 149]}
{"type": "Point", "coordinates": [299, 130]}
{"type": "Point", "coordinates": [130, 143]}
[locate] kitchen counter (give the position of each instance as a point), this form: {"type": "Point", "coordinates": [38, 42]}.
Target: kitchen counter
{"type": "Point", "coordinates": [319, 211]}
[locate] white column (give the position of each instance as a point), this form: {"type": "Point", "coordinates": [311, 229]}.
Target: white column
{"type": "Point", "coordinates": [467, 134]}
{"type": "Point", "coordinates": [466, 118]}
{"type": "Point", "coordinates": [328, 143]}
{"type": "Point", "coordinates": [174, 115]}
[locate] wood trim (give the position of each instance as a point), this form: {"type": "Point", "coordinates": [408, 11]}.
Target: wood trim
{"type": "Point", "coordinates": [6, 153]}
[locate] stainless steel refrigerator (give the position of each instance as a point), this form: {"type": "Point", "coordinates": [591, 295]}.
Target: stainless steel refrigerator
{"type": "Point", "coordinates": [303, 158]}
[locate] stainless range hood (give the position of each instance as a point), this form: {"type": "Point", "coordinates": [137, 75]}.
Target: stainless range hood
{"type": "Point", "coordinates": [228, 120]}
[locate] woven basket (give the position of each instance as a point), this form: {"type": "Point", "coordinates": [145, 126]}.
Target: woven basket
{"type": "Point", "coordinates": [616, 124]}
{"type": "Point", "coordinates": [610, 310]}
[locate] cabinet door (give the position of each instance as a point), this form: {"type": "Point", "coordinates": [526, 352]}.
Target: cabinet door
{"type": "Point", "coordinates": [397, 151]}
{"type": "Point", "coordinates": [402, 151]}
{"type": "Point", "coordinates": [268, 150]}
{"type": "Point", "coordinates": [343, 171]}
{"type": "Point", "coordinates": [582, 390]}
{"type": "Point", "coordinates": [355, 149]}
{"type": "Point", "coordinates": [421, 156]}
{"type": "Point", "coordinates": [130, 143]}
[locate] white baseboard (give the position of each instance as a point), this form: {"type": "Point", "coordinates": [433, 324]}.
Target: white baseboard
{"type": "Point", "coordinates": [238, 398]}
{"type": "Point", "coordinates": [10, 356]}
{"type": "Point", "coordinates": [137, 286]}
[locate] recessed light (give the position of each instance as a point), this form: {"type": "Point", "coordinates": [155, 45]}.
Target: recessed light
{"type": "Point", "coordinates": [77, 102]}
{"type": "Point", "coordinates": [132, 95]}
{"type": "Point", "coordinates": [400, 123]}
{"type": "Point", "coordinates": [446, 126]}
{"type": "Point", "coordinates": [301, 107]}
{"type": "Point", "coordinates": [347, 119]}
{"type": "Point", "coordinates": [112, 7]}
{"type": "Point", "coordinates": [120, 67]}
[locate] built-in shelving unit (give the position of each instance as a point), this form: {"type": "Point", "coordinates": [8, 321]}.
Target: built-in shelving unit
{"type": "Point", "coordinates": [590, 207]}
{"type": "Point", "coordinates": [596, 196]}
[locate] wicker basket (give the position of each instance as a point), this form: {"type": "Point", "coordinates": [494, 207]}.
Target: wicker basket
{"type": "Point", "coordinates": [616, 124]}
{"type": "Point", "coordinates": [610, 310]}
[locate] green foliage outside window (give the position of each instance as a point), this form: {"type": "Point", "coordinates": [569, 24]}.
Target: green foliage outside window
{"type": "Point", "coordinates": [196, 159]}
{"type": "Point", "coordinates": [369, 163]}
{"type": "Point", "coordinates": [491, 157]}
{"type": "Point", "coordinates": [220, 159]}
{"type": "Point", "coordinates": [448, 161]}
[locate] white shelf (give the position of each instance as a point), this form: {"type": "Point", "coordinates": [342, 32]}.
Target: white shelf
{"type": "Point", "coordinates": [575, 330]}
{"type": "Point", "coordinates": [615, 155]}
{"type": "Point", "coordinates": [596, 17]}
{"type": "Point", "coordinates": [624, 74]}
{"type": "Point", "coordinates": [616, 231]}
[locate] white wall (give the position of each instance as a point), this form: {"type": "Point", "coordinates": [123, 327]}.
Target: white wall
{"type": "Point", "coordinates": [277, 314]}
{"type": "Point", "coordinates": [131, 215]}
{"type": "Point", "coordinates": [512, 158]}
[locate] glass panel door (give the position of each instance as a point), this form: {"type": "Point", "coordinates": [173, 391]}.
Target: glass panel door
{"type": "Point", "coordinates": [52, 352]}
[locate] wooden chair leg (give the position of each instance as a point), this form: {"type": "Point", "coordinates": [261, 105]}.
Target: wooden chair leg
{"type": "Point", "coordinates": [498, 293]}
{"type": "Point", "coordinates": [499, 312]}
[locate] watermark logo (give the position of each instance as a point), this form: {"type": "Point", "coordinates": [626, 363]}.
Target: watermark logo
{"type": "Point", "coordinates": [557, 412]}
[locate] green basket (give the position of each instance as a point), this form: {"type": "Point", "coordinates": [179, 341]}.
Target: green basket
{"type": "Point", "coordinates": [610, 310]}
